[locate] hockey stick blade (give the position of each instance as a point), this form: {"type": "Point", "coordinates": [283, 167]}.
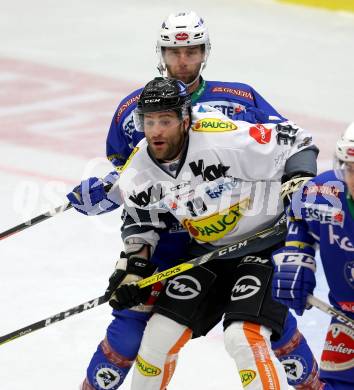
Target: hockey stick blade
{"type": "Point", "coordinates": [275, 231]}
{"type": "Point", "coordinates": [323, 306]}
{"type": "Point", "coordinates": [41, 218]}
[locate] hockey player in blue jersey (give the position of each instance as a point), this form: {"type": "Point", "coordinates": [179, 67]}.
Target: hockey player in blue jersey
{"type": "Point", "coordinates": [183, 48]}
{"type": "Point", "coordinates": [322, 214]}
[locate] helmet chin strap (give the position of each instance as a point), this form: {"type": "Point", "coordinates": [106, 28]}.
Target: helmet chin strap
{"type": "Point", "coordinates": [195, 80]}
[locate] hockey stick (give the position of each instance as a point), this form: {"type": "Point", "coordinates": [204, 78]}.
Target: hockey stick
{"type": "Point", "coordinates": [278, 231]}
{"type": "Point", "coordinates": [323, 306]}
{"type": "Point", "coordinates": [51, 320]}
{"type": "Point", "coordinates": [41, 218]}
{"type": "Point", "coordinates": [35, 220]}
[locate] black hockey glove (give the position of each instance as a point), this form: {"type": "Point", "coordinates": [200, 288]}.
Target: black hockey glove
{"type": "Point", "coordinates": [122, 291]}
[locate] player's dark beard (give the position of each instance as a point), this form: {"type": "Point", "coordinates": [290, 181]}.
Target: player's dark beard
{"type": "Point", "coordinates": [174, 148]}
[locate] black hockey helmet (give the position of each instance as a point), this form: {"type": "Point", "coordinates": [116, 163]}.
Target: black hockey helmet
{"type": "Point", "coordinates": [162, 94]}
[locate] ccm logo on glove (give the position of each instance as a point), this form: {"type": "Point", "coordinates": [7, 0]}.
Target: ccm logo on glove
{"type": "Point", "coordinates": [300, 259]}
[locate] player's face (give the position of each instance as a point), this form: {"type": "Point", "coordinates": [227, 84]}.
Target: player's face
{"type": "Point", "coordinates": [183, 63]}
{"type": "Point", "coordinates": [349, 177]}
{"type": "Point", "coordinates": [165, 134]}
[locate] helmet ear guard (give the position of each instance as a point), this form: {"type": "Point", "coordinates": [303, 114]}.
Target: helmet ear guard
{"type": "Point", "coordinates": [181, 30]}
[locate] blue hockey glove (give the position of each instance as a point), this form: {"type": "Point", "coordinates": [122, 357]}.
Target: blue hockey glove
{"type": "Point", "coordinates": [294, 278]}
{"type": "Point", "coordinates": [90, 197]}
{"type": "Point", "coordinates": [122, 291]}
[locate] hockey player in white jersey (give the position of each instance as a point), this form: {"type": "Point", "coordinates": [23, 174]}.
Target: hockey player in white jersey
{"type": "Point", "coordinates": [183, 48]}
{"type": "Point", "coordinates": [221, 180]}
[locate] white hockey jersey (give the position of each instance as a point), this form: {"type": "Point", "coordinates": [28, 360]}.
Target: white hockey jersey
{"type": "Point", "coordinates": [227, 184]}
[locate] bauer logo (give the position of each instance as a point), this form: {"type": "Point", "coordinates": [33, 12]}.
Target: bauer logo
{"type": "Point", "coordinates": [107, 377]}
{"type": "Point", "coordinates": [183, 287]}
{"type": "Point", "coordinates": [217, 225]}
{"type": "Point", "coordinates": [146, 368]}
{"type": "Point", "coordinates": [260, 133]}
{"type": "Point", "coordinates": [213, 125]}
{"type": "Point", "coordinates": [182, 36]}
{"type": "Point", "coordinates": [247, 376]}
{"type": "Point", "coordinates": [245, 287]}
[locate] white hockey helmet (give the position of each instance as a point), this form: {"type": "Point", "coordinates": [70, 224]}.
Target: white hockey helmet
{"type": "Point", "coordinates": [345, 146]}
{"type": "Point", "coordinates": [182, 29]}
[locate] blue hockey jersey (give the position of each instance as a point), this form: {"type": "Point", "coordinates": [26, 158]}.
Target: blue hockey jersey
{"type": "Point", "coordinates": [229, 97]}
{"type": "Point", "coordinates": [323, 214]}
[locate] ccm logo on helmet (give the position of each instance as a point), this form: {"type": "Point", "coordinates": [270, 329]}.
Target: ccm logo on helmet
{"type": "Point", "coordinates": [183, 287]}
{"type": "Point", "coordinates": [152, 100]}
{"type": "Point", "coordinates": [245, 287]}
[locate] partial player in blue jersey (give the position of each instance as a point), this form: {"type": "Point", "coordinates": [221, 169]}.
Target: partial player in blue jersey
{"type": "Point", "coordinates": [183, 49]}
{"type": "Point", "coordinates": [322, 214]}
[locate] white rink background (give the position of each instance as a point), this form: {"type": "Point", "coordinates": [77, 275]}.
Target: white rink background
{"type": "Point", "coordinates": [89, 54]}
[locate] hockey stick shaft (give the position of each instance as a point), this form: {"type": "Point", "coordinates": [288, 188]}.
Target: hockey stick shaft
{"type": "Point", "coordinates": [53, 319]}
{"type": "Point", "coordinates": [41, 218]}
{"type": "Point", "coordinates": [323, 306]}
{"type": "Point", "coordinates": [278, 230]}
{"type": "Point", "coordinates": [274, 232]}
{"type": "Point", "coordinates": [35, 220]}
